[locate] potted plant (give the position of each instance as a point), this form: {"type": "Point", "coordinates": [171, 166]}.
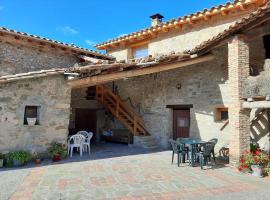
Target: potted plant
{"type": "Point", "coordinates": [36, 157]}
{"type": "Point", "coordinates": [2, 157]}
{"type": "Point", "coordinates": [57, 151]}
{"type": "Point", "coordinates": [254, 162]}
{"type": "Point", "coordinates": [18, 158]}
{"type": "Point", "coordinates": [260, 162]}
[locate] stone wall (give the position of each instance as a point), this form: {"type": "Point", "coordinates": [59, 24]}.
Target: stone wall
{"type": "Point", "coordinates": [203, 85]}
{"type": "Point", "coordinates": [53, 96]}
{"type": "Point", "coordinates": [18, 57]}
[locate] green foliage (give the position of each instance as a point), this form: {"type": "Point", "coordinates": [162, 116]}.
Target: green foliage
{"type": "Point", "coordinates": [267, 169]}
{"type": "Point", "coordinates": [253, 158]}
{"type": "Point", "coordinates": [21, 156]}
{"type": "Point", "coordinates": [58, 149]}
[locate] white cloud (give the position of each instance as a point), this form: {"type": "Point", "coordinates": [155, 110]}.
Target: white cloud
{"type": "Point", "coordinates": [90, 42]}
{"type": "Point", "coordinates": [67, 30]}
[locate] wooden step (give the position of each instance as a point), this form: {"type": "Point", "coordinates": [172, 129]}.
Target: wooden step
{"type": "Point", "coordinates": [121, 111]}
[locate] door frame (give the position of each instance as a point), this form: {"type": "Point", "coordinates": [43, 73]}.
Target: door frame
{"type": "Point", "coordinates": [179, 107]}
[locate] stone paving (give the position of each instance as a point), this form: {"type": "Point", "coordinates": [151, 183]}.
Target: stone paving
{"type": "Point", "coordinates": [138, 175]}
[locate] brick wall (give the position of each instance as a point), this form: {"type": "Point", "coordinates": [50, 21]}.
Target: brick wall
{"type": "Point", "coordinates": [238, 63]}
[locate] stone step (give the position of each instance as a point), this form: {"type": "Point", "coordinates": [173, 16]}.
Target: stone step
{"type": "Point", "coordinates": [145, 142]}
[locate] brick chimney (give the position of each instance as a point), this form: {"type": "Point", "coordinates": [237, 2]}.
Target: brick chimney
{"type": "Point", "coordinates": [156, 19]}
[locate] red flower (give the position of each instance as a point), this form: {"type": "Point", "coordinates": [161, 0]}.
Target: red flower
{"type": "Point", "coordinates": [258, 153]}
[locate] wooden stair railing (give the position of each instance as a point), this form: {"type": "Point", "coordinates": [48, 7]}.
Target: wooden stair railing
{"type": "Point", "coordinates": [123, 112]}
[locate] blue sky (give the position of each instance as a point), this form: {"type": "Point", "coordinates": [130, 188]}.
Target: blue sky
{"type": "Point", "coordinates": [87, 22]}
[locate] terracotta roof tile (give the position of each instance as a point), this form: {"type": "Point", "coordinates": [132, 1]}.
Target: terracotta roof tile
{"type": "Point", "coordinates": [174, 23]}
{"type": "Point", "coordinates": [57, 43]}
{"type": "Point", "coordinates": [30, 75]}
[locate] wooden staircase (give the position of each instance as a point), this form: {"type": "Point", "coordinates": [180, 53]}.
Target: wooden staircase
{"type": "Point", "coordinates": [121, 111]}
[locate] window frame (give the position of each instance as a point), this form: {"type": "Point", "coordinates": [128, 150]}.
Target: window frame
{"type": "Point", "coordinates": [35, 115]}
{"type": "Point", "coordinates": [218, 114]}
{"type": "Point", "coordinates": [139, 47]}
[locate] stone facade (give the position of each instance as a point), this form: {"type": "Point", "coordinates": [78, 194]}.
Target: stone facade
{"type": "Point", "coordinates": [19, 57]}
{"type": "Point", "coordinates": [52, 95]}
{"type": "Point", "coordinates": [204, 85]}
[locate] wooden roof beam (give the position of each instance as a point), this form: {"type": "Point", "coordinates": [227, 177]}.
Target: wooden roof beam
{"type": "Point", "coordinates": [105, 78]}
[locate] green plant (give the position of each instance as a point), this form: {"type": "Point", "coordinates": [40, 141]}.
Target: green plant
{"type": "Point", "coordinates": [253, 158]}
{"type": "Point", "coordinates": [267, 169]}
{"type": "Point", "coordinates": [58, 149]}
{"type": "Point", "coordinates": [21, 156]}
{"type": "Point", "coordinates": [35, 156]}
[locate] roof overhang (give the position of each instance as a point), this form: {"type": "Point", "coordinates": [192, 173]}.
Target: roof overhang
{"type": "Point", "coordinates": [140, 70]}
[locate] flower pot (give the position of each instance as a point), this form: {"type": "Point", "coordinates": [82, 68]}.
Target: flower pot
{"type": "Point", "coordinates": [56, 158]}
{"type": "Point", "coordinates": [1, 163]}
{"type": "Point", "coordinates": [31, 121]}
{"type": "Point", "coordinates": [17, 163]}
{"type": "Point", "coordinates": [37, 161]}
{"type": "Point", "coordinates": [257, 170]}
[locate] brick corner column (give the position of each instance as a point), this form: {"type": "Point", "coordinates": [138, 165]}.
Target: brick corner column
{"type": "Point", "coordinates": [238, 66]}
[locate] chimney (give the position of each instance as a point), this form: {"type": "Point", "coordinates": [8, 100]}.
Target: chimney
{"type": "Point", "coordinates": [156, 19]}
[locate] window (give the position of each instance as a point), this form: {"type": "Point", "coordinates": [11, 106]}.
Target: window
{"type": "Point", "coordinates": [31, 115]}
{"type": "Point", "coordinates": [222, 114]}
{"type": "Point", "coordinates": [266, 42]}
{"type": "Point", "coordinates": [140, 51]}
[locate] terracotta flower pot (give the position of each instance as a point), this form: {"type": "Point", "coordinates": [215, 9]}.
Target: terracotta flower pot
{"type": "Point", "coordinates": [56, 158]}
{"type": "Point", "coordinates": [38, 161]}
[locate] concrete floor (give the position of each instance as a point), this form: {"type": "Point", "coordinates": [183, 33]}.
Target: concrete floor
{"type": "Point", "coordinates": [120, 172]}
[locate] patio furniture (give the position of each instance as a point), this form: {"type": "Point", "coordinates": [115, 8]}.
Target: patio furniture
{"type": "Point", "coordinates": [205, 154]}
{"type": "Point", "coordinates": [87, 143]}
{"type": "Point", "coordinates": [178, 149]}
{"type": "Point", "coordinates": [75, 141]}
{"type": "Point", "coordinates": [193, 148]}
{"type": "Point", "coordinates": [214, 141]}
{"type": "Point", "coordinates": [84, 133]}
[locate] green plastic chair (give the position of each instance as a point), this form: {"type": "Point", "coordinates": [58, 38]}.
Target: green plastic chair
{"type": "Point", "coordinates": [179, 149]}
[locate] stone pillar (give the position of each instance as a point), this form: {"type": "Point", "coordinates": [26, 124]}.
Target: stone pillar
{"type": "Point", "coordinates": [238, 64]}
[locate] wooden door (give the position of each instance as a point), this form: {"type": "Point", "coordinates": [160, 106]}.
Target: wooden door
{"type": "Point", "coordinates": [85, 120]}
{"type": "Point", "coordinates": [181, 123]}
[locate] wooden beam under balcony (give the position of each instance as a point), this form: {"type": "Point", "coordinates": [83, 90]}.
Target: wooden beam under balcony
{"type": "Point", "coordinates": [105, 78]}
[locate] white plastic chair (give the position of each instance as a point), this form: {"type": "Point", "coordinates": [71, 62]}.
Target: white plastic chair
{"type": "Point", "coordinates": [78, 141]}
{"type": "Point", "coordinates": [87, 142]}
{"type": "Point", "coordinates": [84, 133]}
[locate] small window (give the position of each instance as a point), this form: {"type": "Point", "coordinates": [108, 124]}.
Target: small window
{"type": "Point", "coordinates": [266, 42]}
{"type": "Point", "coordinates": [31, 115]}
{"type": "Point", "coordinates": [140, 51]}
{"type": "Point", "coordinates": [222, 114]}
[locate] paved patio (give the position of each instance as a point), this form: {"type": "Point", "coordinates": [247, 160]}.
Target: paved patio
{"type": "Point", "coordinates": [109, 174]}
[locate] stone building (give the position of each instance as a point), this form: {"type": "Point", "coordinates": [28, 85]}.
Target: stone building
{"type": "Point", "coordinates": [201, 75]}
